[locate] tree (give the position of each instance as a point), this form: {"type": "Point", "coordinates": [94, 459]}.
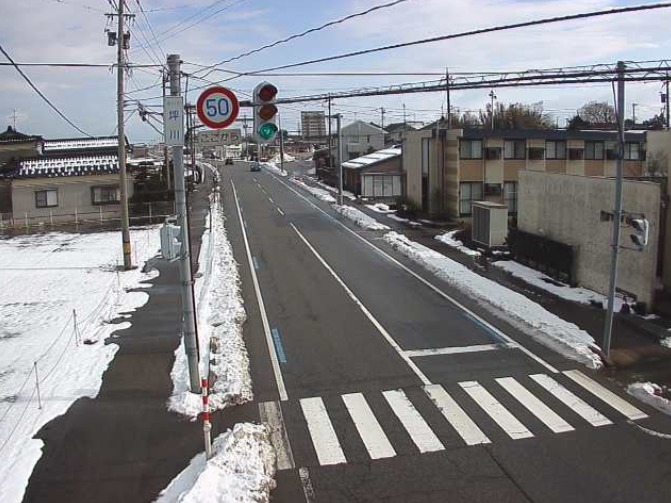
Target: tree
{"type": "Point", "coordinates": [576, 122]}
{"type": "Point", "coordinates": [516, 116]}
{"type": "Point", "coordinates": [657, 164]}
{"type": "Point", "coordinates": [657, 122]}
{"type": "Point", "coordinates": [597, 112]}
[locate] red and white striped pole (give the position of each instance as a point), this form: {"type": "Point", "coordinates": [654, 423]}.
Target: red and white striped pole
{"type": "Point", "coordinates": [207, 426]}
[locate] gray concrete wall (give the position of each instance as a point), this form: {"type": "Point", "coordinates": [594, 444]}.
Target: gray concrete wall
{"type": "Point", "coordinates": [567, 208]}
{"type": "Point", "coordinates": [412, 165]}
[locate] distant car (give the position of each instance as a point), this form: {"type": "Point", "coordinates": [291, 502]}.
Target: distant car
{"type": "Point", "coordinates": [255, 167]}
{"type": "Point", "coordinates": [229, 160]}
{"type": "Point", "coordinates": [264, 159]}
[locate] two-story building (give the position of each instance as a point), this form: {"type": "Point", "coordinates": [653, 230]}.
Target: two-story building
{"type": "Point", "coordinates": [360, 138]}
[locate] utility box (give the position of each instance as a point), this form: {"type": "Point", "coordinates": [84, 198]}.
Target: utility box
{"type": "Point", "coordinates": [170, 244]}
{"type": "Point", "coordinates": [490, 223]}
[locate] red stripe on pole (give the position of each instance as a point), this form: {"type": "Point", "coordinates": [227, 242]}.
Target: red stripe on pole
{"type": "Point", "coordinates": [206, 417]}
{"type": "Point", "coordinates": [205, 399]}
{"type": "Point", "coordinates": [203, 383]}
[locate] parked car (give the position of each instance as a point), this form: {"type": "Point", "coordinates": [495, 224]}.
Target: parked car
{"type": "Point", "coordinates": [229, 160]}
{"type": "Point", "coordinates": [255, 166]}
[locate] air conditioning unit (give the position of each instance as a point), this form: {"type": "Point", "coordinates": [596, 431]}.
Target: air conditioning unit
{"type": "Point", "coordinates": [490, 223]}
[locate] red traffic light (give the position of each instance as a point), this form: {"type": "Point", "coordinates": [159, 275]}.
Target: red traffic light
{"type": "Point", "coordinates": [267, 112]}
{"type": "Point", "coordinates": [267, 93]}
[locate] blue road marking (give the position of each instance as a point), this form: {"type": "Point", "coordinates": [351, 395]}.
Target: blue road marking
{"type": "Point", "coordinates": [256, 263]}
{"type": "Point", "coordinates": [278, 345]}
{"type": "Point", "coordinates": [491, 332]}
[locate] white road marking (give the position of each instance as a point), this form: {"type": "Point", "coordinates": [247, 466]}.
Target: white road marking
{"type": "Point", "coordinates": [433, 287]}
{"type": "Point", "coordinates": [587, 412]}
{"type": "Point", "coordinates": [365, 310]}
{"type": "Point", "coordinates": [550, 418]}
{"type": "Point", "coordinates": [264, 317]}
{"type": "Point", "coordinates": [308, 490]}
{"type": "Point", "coordinates": [371, 432]}
{"type": "Point", "coordinates": [280, 211]}
{"type": "Point", "coordinates": [420, 432]}
{"type": "Point", "coordinates": [496, 410]}
{"type": "Point", "coordinates": [323, 435]}
{"type": "Point", "coordinates": [456, 416]}
{"type": "Point", "coordinates": [619, 404]}
{"type": "Point", "coordinates": [417, 353]}
{"type": "Point", "coordinates": [271, 414]}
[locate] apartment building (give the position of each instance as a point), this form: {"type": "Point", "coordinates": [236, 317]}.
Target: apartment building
{"type": "Point", "coordinates": [313, 125]}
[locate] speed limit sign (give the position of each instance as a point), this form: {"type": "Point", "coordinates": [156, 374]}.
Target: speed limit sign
{"type": "Point", "coordinates": [217, 107]}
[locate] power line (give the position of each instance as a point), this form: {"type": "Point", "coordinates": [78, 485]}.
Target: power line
{"type": "Point", "coordinates": [85, 7]}
{"type": "Point", "coordinates": [537, 22]}
{"type": "Point", "coordinates": [80, 65]}
{"type": "Point", "coordinates": [146, 18]}
{"type": "Point", "coordinates": [304, 33]}
{"type": "Point", "coordinates": [42, 95]}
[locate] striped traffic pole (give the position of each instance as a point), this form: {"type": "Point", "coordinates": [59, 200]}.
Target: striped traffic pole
{"type": "Point", "coordinates": [207, 426]}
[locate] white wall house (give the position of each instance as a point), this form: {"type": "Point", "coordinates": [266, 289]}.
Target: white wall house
{"type": "Point", "coordinates": [360, 138]}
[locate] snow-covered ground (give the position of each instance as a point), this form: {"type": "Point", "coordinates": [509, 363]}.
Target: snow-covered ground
{"type": "Point", "coordinates": [322, 194]}
{"type": "Point", "coordinates": [651, 394]}
{"type": "Point", "coordinates": [380, 208]}
{"type": "Point", "coordinates": [546, 327]}
{"type": "Point", "coordinates": [405, 220]}
{"type": "Point", "coordinates": [274, 168]}
{"type": "Point", "coordinates": [360, 218]}
{"type": "Point", "coordinates": [346, 194]}
{"type": "Point", "coordinates": [47, 279]}
{"type": "Point", "coordinates": [278, 160]}
{"type": "Point", "coordinates": [448, 239]}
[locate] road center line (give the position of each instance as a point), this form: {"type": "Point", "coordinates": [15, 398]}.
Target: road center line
{"type": "Point", "coordinates": [416, 353]}
{"type": "Point", "coordinates": [264, 317]}
{"type": "Point", "coordinates": [365, 311]}
{"type": "Point", "coordinates": [280, 211]}
{"type": "Point", "coordinates": [426, 282]}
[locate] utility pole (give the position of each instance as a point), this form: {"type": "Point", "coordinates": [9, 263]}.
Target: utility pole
{"type": "Point", "coordinates": [382, 117]}
{"type": "Point", "coordinates": [122, 43]}
{"type": "Point", "coordinates": [166, 157]}
{"type": "Point", "coordinates": [492, 96]}
{"type": "Point", "coordinates": [279, 120]}
{"type": "Point", "coordinates": [338, 116]}
{"type": "Point", "coordinates": [330, 142]}
{"type": "Point", "coordinates": [13, 116]}
{"type": "Point", "coordinates": [447, 97]}
{"type": "Point", "coordinates": [404, 120]}
{"type": "Point", "coordinates": [668, 122]}
{"type": "Point", "coordinates": [186, 283]}
{"type": "Point", "coordinates": [617, 217]}
{"type": "Point", "coordinates": [633, 113]}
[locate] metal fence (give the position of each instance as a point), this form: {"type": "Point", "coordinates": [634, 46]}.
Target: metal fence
{"type": "Point", "coordinates": [74, 220]}
{"type": "Point", "coordinates": [552, 257]}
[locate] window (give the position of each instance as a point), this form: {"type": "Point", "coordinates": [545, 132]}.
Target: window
{"type": "Point", "coordinates": [493, 153]}
{"type": "Point", "coordinates": [611, 150]}
{"type": "Point", "coordinates": [594, 150]}
{"type": "Point", "coordinates": [469, 192]}
{"type": "Point", "coordinates": [515, 149]}
{"type": "Point", "coordinates": [46, 198]}
{"type": "Point", "coordinates": [575, 154]}
{"type": "Point", "coordinates": [470, 149]}
{"type": "Point", "coordinates": [510, 196]}
{"type": "Point", "coordinates": [105, 194]}
{"type": "Point", "coordinates": [632, 151]}
{"type": "Point", "coordinates": [536, 153]}
{"type": "Point", "coordinates": [425, 157]}
{"type": "Point", "coordinates": [555, 149]}
{"type": "Point", "coordinates": [492, 189]}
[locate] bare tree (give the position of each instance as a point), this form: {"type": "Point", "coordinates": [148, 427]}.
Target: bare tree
{"type": "Point", "coordinates": [657, 164]}
{"type": "Point", "coordinates": [597, 112]}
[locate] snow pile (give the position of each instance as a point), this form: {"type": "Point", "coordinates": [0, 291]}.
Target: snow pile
{"type": "Point", "coordinates": [220, 318]}
{"type": "Point", "coordinates": [448, 239]}
{"type": "Point", "coordinates": [405, 220]}
{"type": "Point", "coordinates": [287, 158]}
{"type": "Point", "coordinates": [360, 218]}
{"type": "Point", "coordinates": [334, 190]}
{"type": "Point", "coordinates": [547, 328]}
{"type": "Point", "coordinates": [666, 341]}
{"type": "Point", "coordinates": [318, 193]}
{"type": "Point", "coordinates": [540, 280]}
{"type": "Point", "coordinates": [45, 278]}
{"type": "Point", "coordinates": [651, 394]}
{"type": "Point", "coordinates": [380, 208]}
{"type": "Point", "coordinates": [274, 168]}
{"type": "Point", "coordinates": [241, 470]}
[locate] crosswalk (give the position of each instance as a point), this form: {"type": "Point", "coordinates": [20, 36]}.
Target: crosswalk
{"type": "Point", "coordinates": [520, 408]}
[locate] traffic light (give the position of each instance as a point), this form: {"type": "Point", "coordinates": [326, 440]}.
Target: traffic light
{"type": "Point", "coordinates": [265, 112]}
{"type": "Point", "coordinates": [641, 228]}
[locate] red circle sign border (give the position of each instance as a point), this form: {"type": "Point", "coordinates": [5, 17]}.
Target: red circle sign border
{"type": "Point", "coordinates": [234, 102]}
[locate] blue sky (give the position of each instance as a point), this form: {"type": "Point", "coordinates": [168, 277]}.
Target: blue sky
{"type": "Point", "coordinates": [73, 31]}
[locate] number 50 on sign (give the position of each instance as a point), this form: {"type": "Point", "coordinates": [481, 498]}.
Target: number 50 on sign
{"type": "Point", "coordinates": [217, 107]}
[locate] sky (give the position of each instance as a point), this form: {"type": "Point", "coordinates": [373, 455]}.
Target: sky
{"type": "Point", "coordinates": [204, 32]}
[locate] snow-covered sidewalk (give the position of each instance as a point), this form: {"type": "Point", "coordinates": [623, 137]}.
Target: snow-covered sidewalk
{"type": "Point", "coordinates": [448, 239]}
{"type": "Point", "coordinates": [360, 218]}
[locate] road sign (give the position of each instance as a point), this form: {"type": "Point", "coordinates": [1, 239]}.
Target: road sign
{"type": "Point", "coordinates": [217, 107]}
{"type": "Point", "coordinates": [219, 138]}
{"type": "Point", "coordinates": [173, 121]}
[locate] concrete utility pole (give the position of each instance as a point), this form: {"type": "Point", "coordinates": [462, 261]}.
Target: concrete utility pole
{"type": "Point", "coordinates": [125, 231]}
{"type": "Point", "coordinates": [617, 217]}
{"type": "Point", "coordinates": [633, 113]}
{"type": "Point", "coordinates": [329, 123]}
{"type": "Point", "coordinates": [404, 120]}
{"type": "Point", "coordinates": [382, 117]}
{"type": "Point", "coordinates": [338, 116]}
{"type": "Point", "coordinates": [279, 120]}
{"type": "Point", "coordinates": [492, 96]}
{"type": "Point", "coordinates": [188, 312]}
{"type": "Point", "coordinates": [447, 97]}
{"type": "Point", "coordinates": [668, 120]}
{"type": "Point", "coordinates": [166, 157]}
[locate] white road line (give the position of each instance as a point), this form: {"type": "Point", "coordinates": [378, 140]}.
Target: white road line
{"type": "Point", "coordinates": [495, 410]}
{"type": "Point", "coordinates": [308, 490]}
{"type": "Point", "coordinates": [371, 432]}
{"type": "Point", "coordinates": [323, 435]}
{"type": "Point", "coordinates": [271, 414]}
{"type": "Point", "coordinates": [280, 211]}
{"type": "Point", "coordinates": [587, 412]}
{"type": "Point", "coordinates": [417, 353]}
{"type": "Point", "coordinates": [456, 416]}
{"type": "Point", "coordinates": [550, 418]}
{"type": "Point", "coordinates": [420, 432]}
{"type": "Point", "coordinates": [433, 287]}
{"type": "Point", "coordinates": [271, 200]}
{"type": "Point", "coordinates": [365, 311]}
{"type": "Point", "coordinates": [264, 317]}
{"type": "Point", "coordinates": [619, 404]}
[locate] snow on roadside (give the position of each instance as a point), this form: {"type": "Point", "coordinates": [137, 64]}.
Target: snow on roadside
{"type": "Point", "coordinates": [540, 280]}
{"type": "Point", "coordinates": [380, 208]}
{"type": "Point", "coordinates": [405, 220]}
{"type": "Point", "coordinates": [220, 318]}
{"type": "Point", "coordinates": [318, 193]}
{"type": "Point", "coordinates": [360, 218]}
{"type": "Point", "coordinates": [45, 277]}
{"type": "Point", "coordinates": [274, 168]}
{"type": "Point", "coordinates": [333, 190]}
{"type": "Point", "coordinates": [548, 328]}
{"type": "Point", "coordinates": [241, 470]}
{"type": "Point", "coordinates": [448, 239]}
{"type": "Point", "coordinates": [651, 394]}
{"type": "Point", "coordinates": [278, 160]}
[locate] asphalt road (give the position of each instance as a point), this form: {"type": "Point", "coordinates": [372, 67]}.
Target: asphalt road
{"type": "Point", "coordinates": [381, 387]}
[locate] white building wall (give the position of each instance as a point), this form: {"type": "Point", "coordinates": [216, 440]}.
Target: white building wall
{"type": "Point", "coordinates": [567, 209]}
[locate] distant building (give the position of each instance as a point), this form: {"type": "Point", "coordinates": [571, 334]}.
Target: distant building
{"type": "Point", "coordinates": [360, 138]}
{"type": "Point", "coordinates": [378, 174]}
{"type": "Point", "coordinates": [313, 125]}
{"type": "Point", "coordinates": [396, 132]}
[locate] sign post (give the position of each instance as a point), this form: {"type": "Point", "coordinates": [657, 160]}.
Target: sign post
{"type": "Point", "coordinates": [217, 107]}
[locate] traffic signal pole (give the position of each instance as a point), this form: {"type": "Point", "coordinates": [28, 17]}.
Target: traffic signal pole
{"type": "Point", "coordinates": [338, 116]}
{"type": "Point", "coordinates": [186, 283]}
{"type": "Point", "coordinates": [617, 220]}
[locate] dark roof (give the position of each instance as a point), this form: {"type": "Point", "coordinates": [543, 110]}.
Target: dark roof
{"type": "Point", "coordinates": [549, 134]}
{"type": "Point", "coordinates": [46, 167]}
{"type": "Point", "coordinates": [13, 136]}
{"type": "Point", "coordinates": [398, 126]}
